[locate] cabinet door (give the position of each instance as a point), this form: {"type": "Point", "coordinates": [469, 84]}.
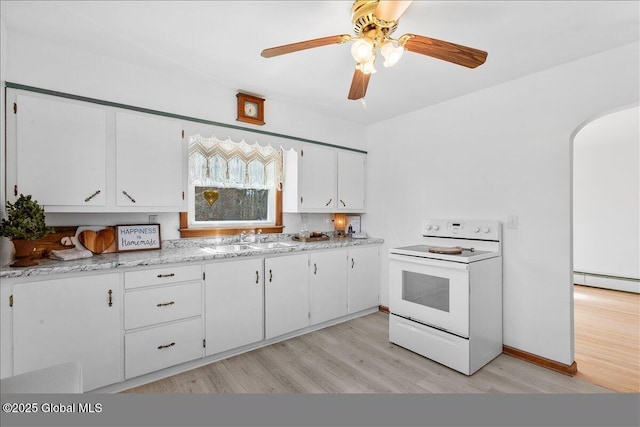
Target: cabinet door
{"type": "Point", "coordinates": [60, 152]}
{"type": "Point", "coordinates": [351, 181]}
{"type": "Point", "coordinates": [67, 320]}
{"type": "Point", "coordinates": [233, 304]}
{"type": "Point", "coordinates": [318, 183]}
{"type": "Point", "coordinates": [286, 292]}
{"type": "Point", "coordinates": [364, 278]}
{"type": "Point", "coordinates": [328, 285]}
{"type": "Point", "coordinates": [5, 332]}
{"type": "Point", "coordinates": [150, 160]}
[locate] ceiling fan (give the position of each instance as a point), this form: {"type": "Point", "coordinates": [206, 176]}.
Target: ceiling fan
{"type": "Point", "coordinates": [373, 23]}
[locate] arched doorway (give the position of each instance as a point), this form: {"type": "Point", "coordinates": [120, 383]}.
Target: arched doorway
{"type": "Point", "coordinates": [606, 249]}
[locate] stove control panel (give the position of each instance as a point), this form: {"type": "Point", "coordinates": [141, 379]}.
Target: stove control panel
{"type": "Point", "coordinates": [464, 229]}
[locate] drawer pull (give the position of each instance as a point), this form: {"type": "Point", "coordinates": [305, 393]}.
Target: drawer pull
{"type": "Point", "coordinates": [164, 304]}
{"type": "Point", "coordinates": [257, 277]}
{"type": "Point", "coordinates": [329, 202]}
{"type": "Point", "coordinates": [161, 347]}
{"type": "Point", "coordinates": [110, 297]}
{"type": "Point", "coordinates": [166, 275]}
{"type": "Point", "coordinates": [270, 276]}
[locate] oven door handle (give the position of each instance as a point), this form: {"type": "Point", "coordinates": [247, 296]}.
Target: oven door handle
{"type": "Point", "coordinates": [429, 262]}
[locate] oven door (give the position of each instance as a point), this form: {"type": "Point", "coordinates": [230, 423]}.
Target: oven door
{"type": "Point", "coordinates": [432, 292]}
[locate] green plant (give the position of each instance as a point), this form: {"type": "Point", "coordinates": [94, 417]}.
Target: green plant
{"type": "Point", "coordinates": [25, 220]}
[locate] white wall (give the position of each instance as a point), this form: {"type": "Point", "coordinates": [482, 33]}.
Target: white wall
{"type": "Point", "coordinates": [606, 195]}
{"type": "Point", "coordinates": [40, 63]}
{"type": "Point", "coordinates": [500, 151]}
{"type": "Point", "coordinates": [6, 249]}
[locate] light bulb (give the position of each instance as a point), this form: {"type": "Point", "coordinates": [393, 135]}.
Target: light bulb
{"type": "Point", "coordinates": [362, 50]}
{"type": "Point", "coordinates": [391, 53]}
{"type": "Point", "coordinates": [367, 67]}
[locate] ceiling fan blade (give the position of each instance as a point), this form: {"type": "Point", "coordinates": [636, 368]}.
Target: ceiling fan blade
{"type": "Point", "coordinates": [451, 52]}
{"type": "Point", "coordinates": [308, 44]}
{"type": "Point", "coordinates": [391, 10]}
{"type": "Point", "coordinates": [359, 85]}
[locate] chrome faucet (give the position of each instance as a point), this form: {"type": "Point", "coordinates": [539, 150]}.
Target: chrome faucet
{"type": "Point", "coordinates": [259, 235]}
{"type": "Point", "coordinates": [243, 235]}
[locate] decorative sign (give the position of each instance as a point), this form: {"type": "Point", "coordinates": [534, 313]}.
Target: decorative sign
{"type": "Point", "coordinates": [138, 237]}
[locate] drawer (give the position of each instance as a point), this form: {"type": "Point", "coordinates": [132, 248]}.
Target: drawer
{"type": "Point", "coordinates": [159, 276]}
{"type": "Point", "coordinates": [158, 348]}
{"type": "Point", "coordinates": [145, 307]}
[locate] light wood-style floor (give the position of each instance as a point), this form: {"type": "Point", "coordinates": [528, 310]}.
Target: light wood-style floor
{"type": "Point", "coordinates": [357, 357]}
{"type": "Point", "coordinates": [607, 337]}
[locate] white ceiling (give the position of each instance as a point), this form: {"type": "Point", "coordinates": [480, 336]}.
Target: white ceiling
{"type": "Point", "coordinates": [221, 41]}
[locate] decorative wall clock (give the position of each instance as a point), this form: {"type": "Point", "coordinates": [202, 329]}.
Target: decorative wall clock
{"type": "Point", "coordinates": [250, 109]}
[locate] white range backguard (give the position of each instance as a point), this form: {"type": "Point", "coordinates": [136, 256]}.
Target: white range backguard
{"type": "Point", "coordinates": [448, 307]}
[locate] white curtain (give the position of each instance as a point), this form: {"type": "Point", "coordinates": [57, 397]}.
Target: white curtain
{"type": "Point", "coordinates": [214, 162]}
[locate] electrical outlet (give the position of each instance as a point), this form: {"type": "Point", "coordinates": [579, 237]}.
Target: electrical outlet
{"type": "Point", "coordinates": [304, 218]}
{"type": "Point", "coordinates": [153, 219]}
{"type": "Point", "coordinates": [512, 221]}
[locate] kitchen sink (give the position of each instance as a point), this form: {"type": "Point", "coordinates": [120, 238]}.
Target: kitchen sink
{"type": "Point", "coordinates": [272, 245]}
{"type": "Point", "coordinates": [232, 248]}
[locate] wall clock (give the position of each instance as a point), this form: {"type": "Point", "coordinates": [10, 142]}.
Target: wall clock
{"type": "Point", "coordinates": [250, 109]}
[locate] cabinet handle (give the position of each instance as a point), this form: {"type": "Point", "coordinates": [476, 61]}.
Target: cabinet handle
{"type": "Point", "coordinates": [257, 277]}
{"type": "Point", "coordinates": [270, 276]}
{"type": "Point", "coordinates": [343, 203]}
{"type": "Point", "coordinates": [130, 198]}
{"type": "Point", "coordinates": [160, 347]}
{"type": "Point", "coordinates": [166, 275]}
{"type": "Point", "coordinates": [164, 304]}
{"type": "Point", "coordinates": [329, 202]}
{"type": "Point", "coordinates": [315, 268]}
{"type": "Point", "coordinates": [110, 297]}
{"type": "Point", "coordinates": [352, 262]}
{"type": "Point", "coordinates": [92, 196]}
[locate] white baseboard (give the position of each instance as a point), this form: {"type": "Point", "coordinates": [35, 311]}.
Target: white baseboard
{"type": "Point", "coordinates": [607, 282]}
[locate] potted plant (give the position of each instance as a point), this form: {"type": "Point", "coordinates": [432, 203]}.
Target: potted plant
{"type": "Point", "coordinates": [24, 225]}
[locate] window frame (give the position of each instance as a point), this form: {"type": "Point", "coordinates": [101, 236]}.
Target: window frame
{"type": "Point", "coordinates": [186, 231]}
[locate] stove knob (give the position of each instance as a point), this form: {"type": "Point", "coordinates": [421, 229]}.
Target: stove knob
{"type": "Point", "coordinates": [485, 229]}
{"type": "Point", "coordinates": [436, 227]}
{"type": "Point", "coordinates": [476, 229]}
{"type": "Point", "coordinates": [428, 227]}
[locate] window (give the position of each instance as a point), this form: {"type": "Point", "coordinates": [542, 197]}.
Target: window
{"type": "Point", "coordinates": [232, 186]}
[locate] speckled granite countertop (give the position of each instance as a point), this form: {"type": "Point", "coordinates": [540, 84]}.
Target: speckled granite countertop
{"type": "Point", "coordinates": [173, 251]}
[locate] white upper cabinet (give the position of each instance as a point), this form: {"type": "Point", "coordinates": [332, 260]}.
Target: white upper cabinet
{"type": "Point", "coordinates": [323, 179]}
{"type": "Point", "coordinates": [351, 181]}
{"type": "Point", "coordinates": [148, 170]}
{"type": "Point", "coordinates": [75, 156]}
{"type": "Point", "coordinates": [60, 149]}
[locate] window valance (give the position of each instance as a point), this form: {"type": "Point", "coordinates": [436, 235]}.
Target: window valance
{"type": "Point", "coordinates": [225, 163]}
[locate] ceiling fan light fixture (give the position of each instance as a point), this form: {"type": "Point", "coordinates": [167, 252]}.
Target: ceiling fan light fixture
{"type": "Point", "coordinates": [362, 50]}
{"type": "Point", "coordinates": [367, 67]}
{"type": "Point", "coordinates": [391, 53]}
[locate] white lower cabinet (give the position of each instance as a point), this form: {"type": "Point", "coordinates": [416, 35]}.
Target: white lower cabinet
{"type": "Point", "coordinates": [328, 285]}
{"type": "Point", "coordinates": [364, 278]}
{"type": "Point", "coordinates": [126, 324]}
{"type": "Point", "coordinates": [286, 294]}
{"type": "Point", "coordinates": [233, 304]}
{"type": "Point", "coordinates": [156, 348]}
{"type": "Point", "coordinates": [162, 318]}
{"type": "Point", "coordinates": [70, 319]}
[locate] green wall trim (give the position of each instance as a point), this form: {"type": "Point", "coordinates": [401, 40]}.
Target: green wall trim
{"type": "Point", "coordinates": [170, 115]}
